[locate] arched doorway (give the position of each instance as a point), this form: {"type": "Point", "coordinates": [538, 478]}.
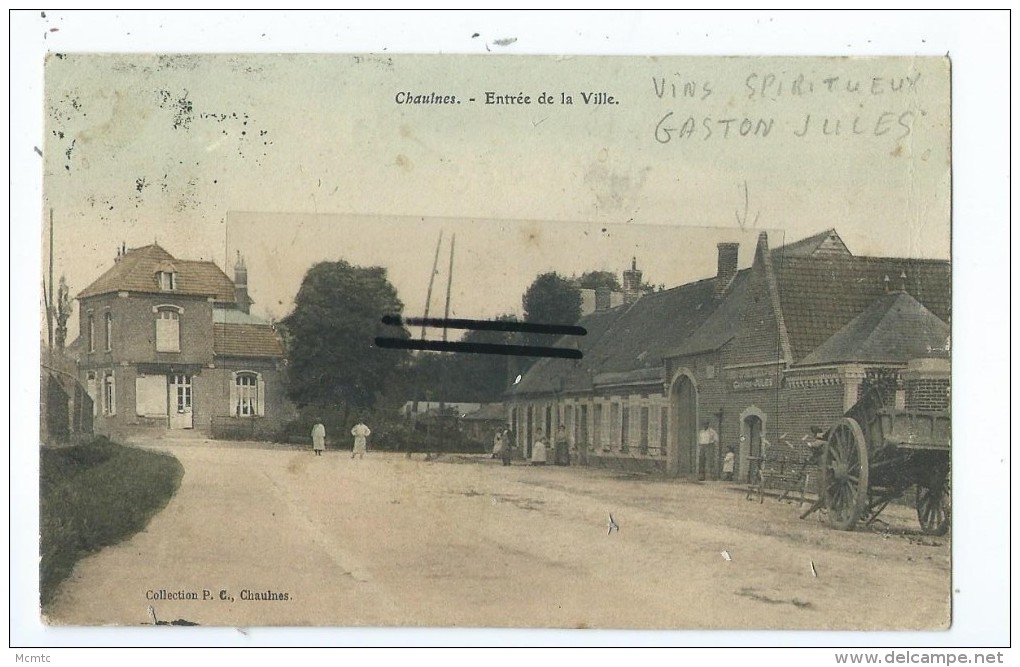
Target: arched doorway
{"type": "Point", "coordinates": [752, 425]}
{"type": "Point", "coordinates": [683, 409]}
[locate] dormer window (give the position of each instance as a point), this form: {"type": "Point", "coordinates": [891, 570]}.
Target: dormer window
{"type": "Point", "coordinates": [167, 280]}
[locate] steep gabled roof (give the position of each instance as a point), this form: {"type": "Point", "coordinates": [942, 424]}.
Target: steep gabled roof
{"type": "Point", "coordinates": [894, 329]}
{"type": "Point", "coordinates": [135, 271]}
{"type": "Point", "coordinates": [820, 295]}
{"type": "Point", "coordinates": [823, 244]}
{"type": "Point", "coordinates": [246, 340]}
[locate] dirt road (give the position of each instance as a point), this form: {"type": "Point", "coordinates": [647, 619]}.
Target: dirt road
{"type": "Point", "coordinates": [468, 543]}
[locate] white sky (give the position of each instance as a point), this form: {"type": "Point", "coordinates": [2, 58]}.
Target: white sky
{"type": "Point", "coordinates": [141, 148]}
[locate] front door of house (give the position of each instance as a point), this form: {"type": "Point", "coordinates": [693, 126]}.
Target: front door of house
{"type": "Point", "coordinates": [179, 397]}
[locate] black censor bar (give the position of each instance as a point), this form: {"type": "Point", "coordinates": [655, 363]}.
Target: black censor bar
{"type": "Point", "coordinates": [482, 348]}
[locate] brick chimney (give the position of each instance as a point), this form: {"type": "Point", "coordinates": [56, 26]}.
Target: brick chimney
{"type": "Point", "coordinates": [632, 283]}
{"type": "Point", "coordinates": [603, 299]}
{"type": "Point", "coordinates": [241, 285]}
{"type": "Point", "coordinates": [726, 268]}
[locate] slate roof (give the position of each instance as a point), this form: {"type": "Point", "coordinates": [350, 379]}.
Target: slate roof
{"type": "Point", "coordinates": [548, 374]}
{"type": "Point", "coordinates": [820, 295]}
{"type": "Point", "coordinates": [136, 270]}
{"type": "Point", "coordinates": [719, 327]}
{"type": "Point", "coordinates": [626, 345]}
{"type": "Point", "coordinates": [894, 329]}
{"type": "Point", "coordinates": [822, 288]}
{"type": "Point", "coordinates": [246, 340]}
{"type": "Point", "coordinates": [234, 316]}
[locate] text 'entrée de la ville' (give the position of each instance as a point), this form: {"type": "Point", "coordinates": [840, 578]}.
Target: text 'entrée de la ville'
{"type": "Point", "coordinates": [508, 98]}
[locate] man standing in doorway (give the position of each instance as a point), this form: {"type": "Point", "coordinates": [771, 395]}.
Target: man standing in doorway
{"type": "Point", "coordinates": [708, 444]}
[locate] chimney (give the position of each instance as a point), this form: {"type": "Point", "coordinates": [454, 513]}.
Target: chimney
{"type": "Point", "coordinates": [241, 285]}
{"type": "Point", "coordinates": [726, 268]}
{"type": "Point", "coordinates": [632, 283]}
{"type": "Point", "coordinates": [603, 295]}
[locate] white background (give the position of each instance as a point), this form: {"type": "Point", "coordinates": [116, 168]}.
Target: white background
{"type": "Point", "coordinates": [977, 44]}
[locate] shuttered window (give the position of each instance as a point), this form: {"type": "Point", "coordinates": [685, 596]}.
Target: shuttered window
{"type": "Point", "coordinates": [168, 330]}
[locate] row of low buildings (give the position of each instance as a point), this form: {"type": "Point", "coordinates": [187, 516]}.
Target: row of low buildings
{"type": "Point", "coordinates": [761, 355]}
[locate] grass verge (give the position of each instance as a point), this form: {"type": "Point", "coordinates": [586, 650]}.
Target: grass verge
{"type": "Point", "coordinates": [95, 495]}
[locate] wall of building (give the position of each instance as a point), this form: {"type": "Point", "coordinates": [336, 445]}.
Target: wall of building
{"type": "Point", "coordinates": [221, 420]}
{"type": "Point", "coordinates": [134, 329]}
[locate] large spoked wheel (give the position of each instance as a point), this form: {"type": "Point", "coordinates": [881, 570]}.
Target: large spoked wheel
{"type": "Point", "coordinates": [935, 504]}
{"type": "Point", "coordinates": [845, 475]}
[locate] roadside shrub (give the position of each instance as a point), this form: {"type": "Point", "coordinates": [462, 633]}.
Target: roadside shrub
{"type": "Point", "coordinates": [95, 495]}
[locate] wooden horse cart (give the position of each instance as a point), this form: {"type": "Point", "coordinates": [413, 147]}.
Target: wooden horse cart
{"type": "Point", "coordinates": [876, 454]}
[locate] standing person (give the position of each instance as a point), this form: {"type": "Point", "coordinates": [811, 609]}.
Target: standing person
{"type": "Point", "coordinates": [318, 439]}
{"type": "Point", "coordinates": [497, 443]}
{"type": "Point", "coordinates": [538, 449]}
{"type": "Point", "coordinates": [562, 447]}
{"type": "Point", "coordinates": [506, 451]}
{"type": "Point", "coordinates": [727, 465]}
{"type": "Point", "coordinates": [360, 433]}
{"type": "Point", "coordinates": [708, 441]}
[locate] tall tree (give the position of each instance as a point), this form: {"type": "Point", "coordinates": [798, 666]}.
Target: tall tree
{"type": "Point", "coordinates": [597, 279]}
{"type": "Point", "coordinates": [333, 361]}
{"type": "Point", "coordinates": [550, 299]}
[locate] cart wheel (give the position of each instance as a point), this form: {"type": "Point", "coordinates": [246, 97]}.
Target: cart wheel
{"type": "Point", "coordinates": [934, 504]}
{"type": "Point", "coordinates": [845, 474]}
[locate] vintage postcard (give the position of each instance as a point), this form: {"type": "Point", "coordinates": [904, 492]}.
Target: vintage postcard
{"type": "Point", "coordinates": [496, 342]}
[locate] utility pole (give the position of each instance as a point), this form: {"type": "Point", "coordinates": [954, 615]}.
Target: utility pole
{"type": "Point", "coordinates": [432, 280]}
{"type": "Point", "coordinates": [449, 284]}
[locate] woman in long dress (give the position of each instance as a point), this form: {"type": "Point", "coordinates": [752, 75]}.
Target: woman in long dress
{"type": "Point", "coordinates": [360, 433]}
{"type": "Point", "coordinates": [318, 439]}
{"type": "Point", "coordinates": [538, 450]}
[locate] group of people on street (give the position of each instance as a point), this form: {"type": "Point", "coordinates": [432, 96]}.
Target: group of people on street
{"type": "Point", "coordinates": [360, 433]}
{"type": "Point", "coordinates": [503, 444]}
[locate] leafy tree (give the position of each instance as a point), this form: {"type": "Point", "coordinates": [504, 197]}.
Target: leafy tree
{"type": "Point", "coordinates": [552, 299]}
{"type": "Point", "coordinates": [597, 279]}
{"type": "Point", "coordinates": [333, 361]}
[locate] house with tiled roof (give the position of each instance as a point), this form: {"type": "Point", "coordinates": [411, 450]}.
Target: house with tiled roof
{"type": "Point", "coordinates": [171, 344]}
{"type": "Point", "coordinates": [761, 355]}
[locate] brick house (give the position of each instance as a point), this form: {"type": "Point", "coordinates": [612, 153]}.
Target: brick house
{"type": "Point", "coordinates": [762, 354]}
{"type": "Point", "coordinates": [166, 343]}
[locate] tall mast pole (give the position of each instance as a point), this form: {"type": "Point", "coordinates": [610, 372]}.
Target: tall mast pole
{"type": "Point", "coordinates": [449, 283]}
{"type": "Point", "coordinates": [432, 279]}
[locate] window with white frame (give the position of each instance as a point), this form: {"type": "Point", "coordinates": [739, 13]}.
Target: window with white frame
{"type": "Point", "coordinates": [247, 394]}
{"type": "Point", "coordinates": [109, 394]}
{"type": "Point", "coordinates": [109, 332]}
{"type": "Point", "coordinates": [167, 280]}
{"type": "Point", "coordinates": [91, 387]}
{"type": "Point", "coordinates": [90, 332]}
{"type": "Point", "coordinates": [168, 329]}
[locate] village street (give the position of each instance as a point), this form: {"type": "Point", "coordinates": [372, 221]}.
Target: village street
{"type": "Point", "coordinates": [466, 542]}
